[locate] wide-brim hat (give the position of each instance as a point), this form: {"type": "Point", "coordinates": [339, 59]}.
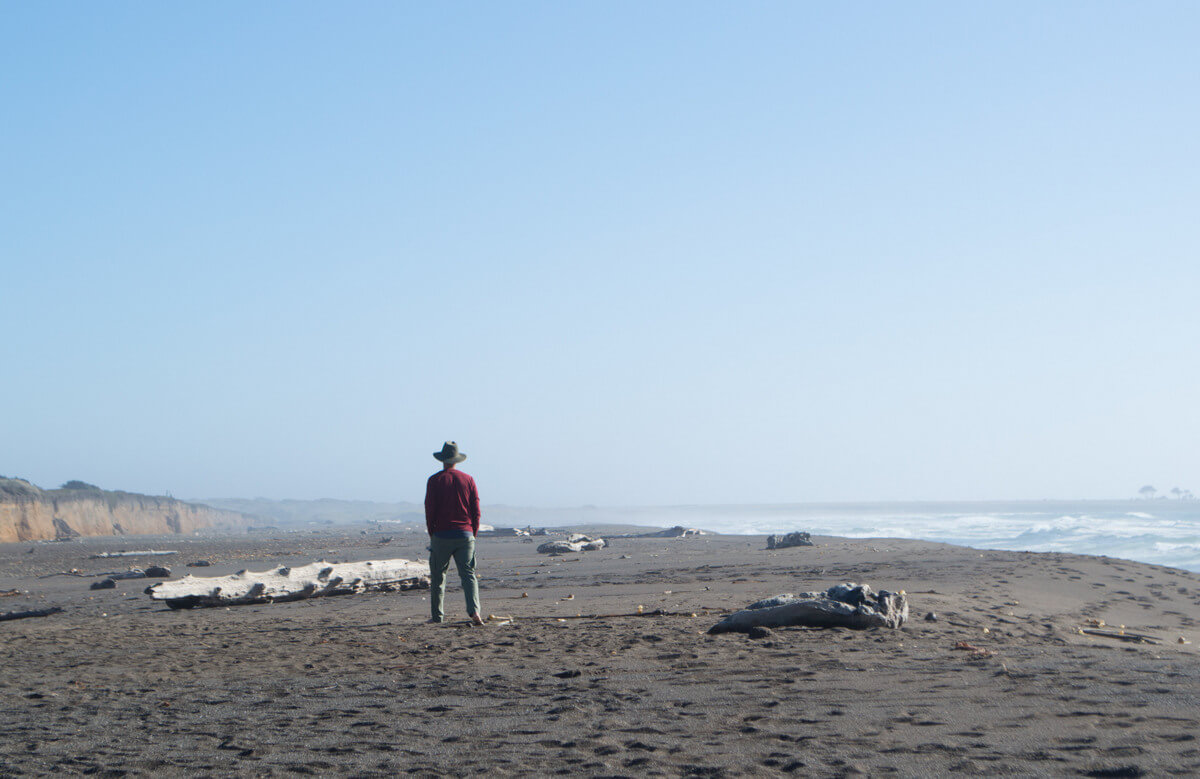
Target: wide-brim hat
{"type": "Point", "coordinates": [450, 453]}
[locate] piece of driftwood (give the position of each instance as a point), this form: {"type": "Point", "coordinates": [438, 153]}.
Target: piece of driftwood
{"type": "Point", "coordinates": [132, 573]}
{"type": "Point", "coordinates": [843, 605]}
{"type": "Point", "coordinates": [574, 543]}
{"type": "Point", "coordinates": [1121, 635]}
{"type": "Point", "coordinates": [679, 531]}
{"type": "Point", "coordinates": [789, 539]}
{"type": "Point", "coordinates": [26, 614]}
{"type": "Point", "coordinates": [316, 580]}
{"type": "Point", "coordinates": [9, 593]}
{"type": "Point", "coordinates": [144, 553]}
{"type": "Point", "coordinates": [619, 615]}
{"type": "Point", "coordinates": [977, 652]}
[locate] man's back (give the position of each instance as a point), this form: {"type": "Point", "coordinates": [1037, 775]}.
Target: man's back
{"type": "Point", "coordinates": [451, 502]}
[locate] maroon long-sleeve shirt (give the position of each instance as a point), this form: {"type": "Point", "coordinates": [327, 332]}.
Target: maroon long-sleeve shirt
{"type": "Point", "coordinates": [451, 502]}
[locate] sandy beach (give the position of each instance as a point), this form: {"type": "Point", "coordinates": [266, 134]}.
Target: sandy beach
{"type": "Point", "coordinates": [117, 684]}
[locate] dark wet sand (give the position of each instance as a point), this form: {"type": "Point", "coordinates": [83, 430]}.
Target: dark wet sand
{"type": "Point", "coordinates": [359, 685]}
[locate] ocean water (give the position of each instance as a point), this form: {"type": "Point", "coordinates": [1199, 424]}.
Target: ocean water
{"type": "Point", "coordinates": [1164, 532]}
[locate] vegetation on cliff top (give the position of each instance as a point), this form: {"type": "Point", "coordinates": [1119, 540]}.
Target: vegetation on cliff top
{"type": "Point", "coordinates": [22, 490]}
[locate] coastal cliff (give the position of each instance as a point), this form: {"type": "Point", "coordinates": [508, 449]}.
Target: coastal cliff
{"type": "Point", "coordinates": [28, 513]}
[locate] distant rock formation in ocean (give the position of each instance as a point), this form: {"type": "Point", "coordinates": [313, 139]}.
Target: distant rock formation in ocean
{"type": "Point", "coordinates": [29, 513]}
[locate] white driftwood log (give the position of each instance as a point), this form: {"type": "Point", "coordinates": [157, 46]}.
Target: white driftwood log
{"type": "Point", "coordinates": [679, 531]}
{"type": "Point", "coordinates": [283, 584]}
{"type": "Point", "coordinates": [143, 553]}
{"type": "Point", "coordinates": [574, 543]}
{"type": "Point", "coordinates": [844, 605]}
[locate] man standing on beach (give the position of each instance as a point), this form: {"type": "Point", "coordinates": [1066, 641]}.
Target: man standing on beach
{"type": "Point", "coordinates": [452, 519]}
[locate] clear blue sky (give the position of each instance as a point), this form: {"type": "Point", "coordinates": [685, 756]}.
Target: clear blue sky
{"type": "Point", "coordinates": [623, 253]}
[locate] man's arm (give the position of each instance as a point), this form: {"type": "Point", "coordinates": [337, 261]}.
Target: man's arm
{"type": "Point", "coordinates": [430, 505]}
{"type": "Point", "coordinates": [474, 509]}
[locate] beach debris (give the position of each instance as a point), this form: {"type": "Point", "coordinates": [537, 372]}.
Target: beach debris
{"type": "Point", "coordinates": [141, 553]}
{"type": "Point", "coordinates": [316, 580]}
{"type": "Point", "coordinates": [977, 652]}
{"type": "Point", "coordinates": [846, 605]}
{"type": "Point", "coordinates": [1182, 640]}
{"type": "Point", "coordinates": [679, 531]}
{"type": "Point", "coordinates": [9, 593]}
{"type": "Point", "coordinates": [565, 617]}
{"type": "Point", "coordinates": [31, 613]}
{"type": "Point", "coordinates": [157, 572]}
{"type": "Point", "coordinates": [505, 532]}
{"type": "Point", "coordinates": [132, 573]}
{"type": "Point", "coordinates": [524, 595]}
{"type": "Point", "coordinates": [931, 617]}
{"type": "Point", "coordinates": [574, 543]}
{"type": "Point", "coordinates": [798, 538]}
{"type": "Point", "coordinates": [104, 584]}
{"type": "Point", "coordinates": [1121, 635]}
{"type": "Point", "coordinates": [199, 564]}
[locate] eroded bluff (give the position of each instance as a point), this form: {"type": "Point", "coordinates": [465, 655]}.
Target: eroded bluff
{"type": "Point", "coordinates": [29, 513]}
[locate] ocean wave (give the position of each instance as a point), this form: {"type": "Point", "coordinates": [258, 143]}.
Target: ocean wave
{"type": "Point", "coordinates": [1168, 538]}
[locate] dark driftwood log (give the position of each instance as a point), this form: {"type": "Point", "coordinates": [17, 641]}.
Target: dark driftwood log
{"type": "Point", "coordinates": [844, 605]}
{"type": "Point", "coordinates": [25, 614]}
{"type": "Point", "coordinates": [791, 539]}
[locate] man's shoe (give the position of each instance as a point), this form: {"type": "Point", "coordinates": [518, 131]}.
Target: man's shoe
{"type": "Point", "coordinates": [476, 619]}
{"type": "Point", "coordinates": [434, 621]}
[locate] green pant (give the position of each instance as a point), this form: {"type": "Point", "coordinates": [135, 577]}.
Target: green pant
{"type": "Point", "coordinates": [463, 552]}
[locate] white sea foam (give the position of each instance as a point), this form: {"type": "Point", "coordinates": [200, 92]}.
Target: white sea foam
{"type": "Point", "coordinates": [1168, 536]}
